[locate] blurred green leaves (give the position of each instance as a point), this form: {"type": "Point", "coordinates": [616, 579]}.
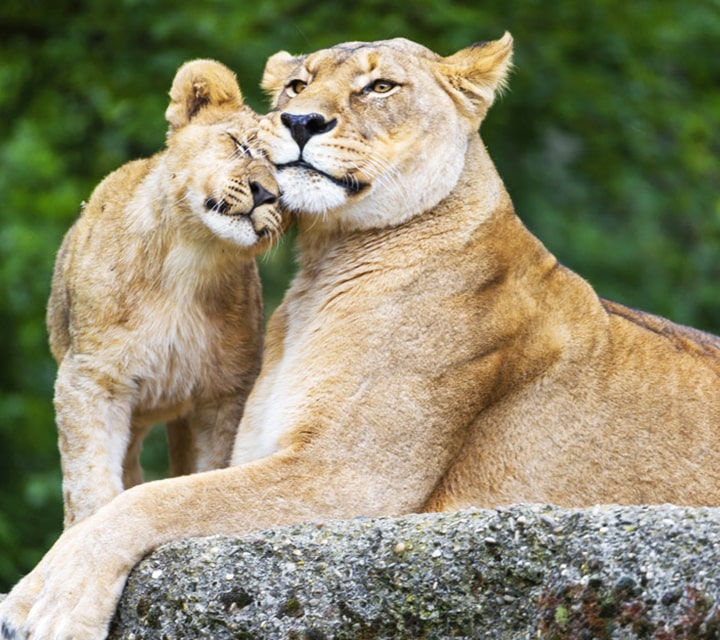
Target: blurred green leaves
{"type": "Point", "coordinates": [607, 139]}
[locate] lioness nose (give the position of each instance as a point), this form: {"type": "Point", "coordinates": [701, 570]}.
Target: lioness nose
{"type": "Point", "coordinates": [261, 195]}
{"type": "Point", "coordinates": [304, 126]}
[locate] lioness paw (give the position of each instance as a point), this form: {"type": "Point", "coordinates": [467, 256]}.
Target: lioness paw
{"type": "Point", "coordinates": [7, 631]}
{"type": "Point", "coordinates": [14, 609]}
{"type": "Point", "coordinates": [45, 620]}
{"type": "Point", "coordinates": [10, 621]}
{"type": "Point", "coordinates": [63, 599]}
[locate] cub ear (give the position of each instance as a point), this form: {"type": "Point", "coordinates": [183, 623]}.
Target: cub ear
{"type": "Point", "coordinates": [203, 89]}
{"type": "Point", "coordinates": [475, 75]}
{"type": "Point", "coordinates": [278, 69]}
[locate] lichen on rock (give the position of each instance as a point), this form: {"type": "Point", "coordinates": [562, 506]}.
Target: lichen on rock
{"type": "Point", "coordinates": [525, 571]}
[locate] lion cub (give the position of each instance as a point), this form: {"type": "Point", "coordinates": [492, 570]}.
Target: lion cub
{"type": "Point", "coordinates": [155, 313]}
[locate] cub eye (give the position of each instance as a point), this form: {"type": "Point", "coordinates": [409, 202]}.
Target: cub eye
{"type": "Point", "coordinates": [381, 86]}
{"type": "Point", "coordinates": [295, 87]}
{"type": "Point", "coordinates": [240, 145]}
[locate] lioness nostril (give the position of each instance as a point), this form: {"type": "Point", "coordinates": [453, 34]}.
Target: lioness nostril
{"type": "Point", "coordinates": [306, 125]}
{"type": "Point", "coordinates": [317, 124]}
{"type": "Point", "coordinates": [261, 195]}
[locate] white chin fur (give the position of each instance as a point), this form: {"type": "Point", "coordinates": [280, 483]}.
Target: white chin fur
{"type": "Point", "coordinates": [236, 229]}
{"type": "Point", "coordinates": [426, 179]}
{"type": "Point", "coordinates": [309, 193]}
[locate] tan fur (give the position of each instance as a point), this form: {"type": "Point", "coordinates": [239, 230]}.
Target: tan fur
{"type": "Point", "coordinates": [430, 354]}
{"type": "Point", "coordinates": [155, 312]}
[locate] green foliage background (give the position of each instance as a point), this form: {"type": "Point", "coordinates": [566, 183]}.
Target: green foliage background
{"type": "Point", "coordinates": [608, 140]}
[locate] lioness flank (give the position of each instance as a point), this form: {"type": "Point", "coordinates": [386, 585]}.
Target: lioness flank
{"type": "Point", "coordinates": [155, 312]}
{"type": "Point", "coordinates": [430, 354]}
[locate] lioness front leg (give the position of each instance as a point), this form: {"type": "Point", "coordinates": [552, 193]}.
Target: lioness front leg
{"type": "Point", "coordinates": [64, 598]}
{"type": "Point", "coordinates": [93, 430]}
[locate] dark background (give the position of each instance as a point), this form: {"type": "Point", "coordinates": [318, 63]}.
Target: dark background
{"type": "Point", "coordinates": [608, 140]}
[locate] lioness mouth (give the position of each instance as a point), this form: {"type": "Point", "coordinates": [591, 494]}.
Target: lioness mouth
{"type": "Point", "coordinates": [350, 184]}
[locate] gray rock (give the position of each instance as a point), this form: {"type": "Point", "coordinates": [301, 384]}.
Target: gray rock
{"type": "Point", "coordinates": [519, 572]}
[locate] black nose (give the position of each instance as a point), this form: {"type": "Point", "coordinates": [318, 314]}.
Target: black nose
{"type": "Point", "coordinates": [306, 125]}
{"type": "Point", "coordinates": [261, 195]}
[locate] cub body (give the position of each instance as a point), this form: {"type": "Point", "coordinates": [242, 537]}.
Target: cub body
{"type": "Point", "coordinates": [155, 313]}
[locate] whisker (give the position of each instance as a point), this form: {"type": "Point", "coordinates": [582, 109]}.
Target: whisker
{"type": "Point", "coordinates": [384, 174]}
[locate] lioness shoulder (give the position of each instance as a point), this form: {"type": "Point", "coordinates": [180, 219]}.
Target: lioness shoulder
{"type": "Point", "coordinates": [155, 312]}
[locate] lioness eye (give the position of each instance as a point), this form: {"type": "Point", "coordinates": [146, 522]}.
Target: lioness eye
{"type": "Point", "coordinates": [381, 86]}
{"type": "Point", "coordinates": [296, 86]}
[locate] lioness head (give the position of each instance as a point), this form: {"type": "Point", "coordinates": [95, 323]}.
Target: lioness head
{"type": "Point", "coordinates": [216, 168]}
{"type": "Point", "coordinates": [370, 134]}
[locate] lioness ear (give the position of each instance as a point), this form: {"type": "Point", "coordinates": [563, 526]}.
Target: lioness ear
{"type": "Point", "coordinates": [202, 88]}
{"type": "Point", "coordinates": [475, 75]}
{"type": "Point", "coordinates": [277, 72]}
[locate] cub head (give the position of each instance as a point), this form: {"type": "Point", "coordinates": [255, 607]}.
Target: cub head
{"type": "Point", "coordinates": [371, 134]}
{"type": "Point", "coordinates": [218, 178]}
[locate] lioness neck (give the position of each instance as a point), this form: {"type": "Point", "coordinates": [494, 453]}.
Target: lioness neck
{"type": "Point", "coordinates": [478, 196]}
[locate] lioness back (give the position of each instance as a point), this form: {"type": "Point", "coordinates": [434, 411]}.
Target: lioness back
{"type": "Point", "coordinates": [705, 346]}
{"type": "Point", "coordinates": [155, 312]}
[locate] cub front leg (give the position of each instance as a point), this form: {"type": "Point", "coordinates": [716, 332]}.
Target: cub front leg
{"type": "Point", "coordinates": [93, 421]}
{"type": "Point", "coordinates": [181, 447]}
{"type": "Point", "coordinates": [203, 440]}
{"type": "Point", "coordinates": [132, 469]}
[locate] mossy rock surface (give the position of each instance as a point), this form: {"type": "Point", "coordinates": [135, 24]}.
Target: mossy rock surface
{"type": "Point", "coordinates": [519, 572]}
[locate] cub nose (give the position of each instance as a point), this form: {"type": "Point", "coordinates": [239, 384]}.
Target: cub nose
{"type": "Point", "coordinates": [261, 195]}
{"type": "Point", "coordinates": [304, 126]}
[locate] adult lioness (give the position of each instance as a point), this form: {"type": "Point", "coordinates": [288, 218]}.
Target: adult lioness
{"type": "Point", "coordinates": [155, 312]}
{"type": "Point", "coordinates": [430, 354]}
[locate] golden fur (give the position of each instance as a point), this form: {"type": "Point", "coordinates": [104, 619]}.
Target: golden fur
{"type": "Point", "coordinates": [155, 312]}
{"type": "Point", "coordinates": [430, 354]}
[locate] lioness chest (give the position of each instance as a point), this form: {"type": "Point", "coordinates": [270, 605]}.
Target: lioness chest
{"type": "Point", "coordinates": [340, 350]}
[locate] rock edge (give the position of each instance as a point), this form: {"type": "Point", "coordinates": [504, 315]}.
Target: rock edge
{"type": "Point", "coordinates": [525, 571]}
